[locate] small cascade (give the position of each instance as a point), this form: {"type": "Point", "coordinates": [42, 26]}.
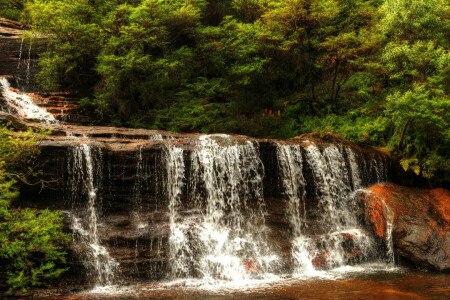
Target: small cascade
{"type": "Point", "coordinates": [178, 240]}
{"type": "Point", "coordinates": [28, 74]}
{"type": "Point", "coordinates": [290, 164]}
{"type": "Point", "coordinates": [354, 168]}
{"type": "Point", "coordinates": [86, 170]}
{"type": "Point", "coordinates": [334, 218]}
{"type": "Point", "coordinates": [390, 217]}
{"type": "Point", "coordinates": [20, 54]}
{"type": "Point", "coordinates": [228, 239]}
{"type": "Point", "coordinates": [137, 192]}
{"type": "Point", "coordinates": [23, 104]}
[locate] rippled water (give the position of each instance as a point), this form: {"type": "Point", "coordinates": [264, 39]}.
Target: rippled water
{"type": "Point", "coordinates": [369, 281]}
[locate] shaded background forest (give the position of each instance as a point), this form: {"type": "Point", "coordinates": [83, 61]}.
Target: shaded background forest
{"type": "Point", "coordinates": [375, 72]}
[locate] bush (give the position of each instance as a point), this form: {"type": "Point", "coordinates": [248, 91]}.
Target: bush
{"type": "Point", "coordinates": [31, 241]}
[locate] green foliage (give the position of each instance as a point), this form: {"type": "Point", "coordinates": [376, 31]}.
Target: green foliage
{"type": "Point", "coordinates": [12, 9]}
{"type": "Point", "coordinates": [360, 68]}
{"type": "Point", "coordinates": [30, 240]}
{"type": "Point", "coordinates": [417, 62]}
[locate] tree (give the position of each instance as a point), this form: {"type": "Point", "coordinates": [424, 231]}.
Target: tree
{"type": "Point", "coordinates": [416, 60]}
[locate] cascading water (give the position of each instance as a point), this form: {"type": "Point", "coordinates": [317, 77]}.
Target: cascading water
{"type": "Point", "coordinates": [23, 104]}
{"type": "Point", "coordinates": [228, 238]}
{"type": "Point", "coordinates": [336, 206]}
{"type": "Point", "coordinates": [86, 177]}
{"type": "Point", "coordinates": [219, 234]}
{"type": "Point", "coordinates": [28, 74]}
{"type": "Point", "coordinates": [179, 253]}
{"type": "Point", "coordinates": [390, 216]}
{"type": "Point", "coordinates": [354, 168]}
{"type": "Point", "coordinates": [20, 54]}
{"type": "Point", "coordinates": [137, 194]}
{"type": "Point", "coordinates": [335, 212]}
{"type": "Point", "coordinates": [290, 164]}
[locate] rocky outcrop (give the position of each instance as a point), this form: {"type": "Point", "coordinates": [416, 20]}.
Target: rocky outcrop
{"type": "Point", "coordinates": [18, 57]}
{"type": "Point", "coordinates": [421, 222]}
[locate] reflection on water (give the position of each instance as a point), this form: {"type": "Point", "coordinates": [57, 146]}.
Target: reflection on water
{"type": "Point", "coordinates": [372, 281]}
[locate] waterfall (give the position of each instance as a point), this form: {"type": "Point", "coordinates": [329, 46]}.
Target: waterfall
{"type": "Point", "coordinates": [28, 74]}
{"type": "Point", "coordinates": [290, 164]}
{"type": "Point", "coordinates": [354, 168]}
{"type": "Point", "coordinates": [228, 239]}
{"type": "Point", "coordinates": [20, 54]}
{"type": "Point", "coordinates": [390, 217]}
{"type": "Point", "coordinates": [216, 208]}
{"type": "Point", "coordinates": [86, 176]}
{"type": "Point", "coordinates": [336, 206]}
{"type": "Point", "coordinates": [23, 104]}
{"type": "Point", "coordinates": [140, 180]}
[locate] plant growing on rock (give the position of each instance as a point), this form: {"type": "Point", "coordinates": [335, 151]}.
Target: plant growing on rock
{"type": "Point", "coordinates": [31, 241]}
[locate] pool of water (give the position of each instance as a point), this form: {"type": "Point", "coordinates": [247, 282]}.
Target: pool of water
{"type": "Point", "coordinates": [372, 281]}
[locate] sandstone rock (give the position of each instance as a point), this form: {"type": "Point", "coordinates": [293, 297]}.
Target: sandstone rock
{"type": "Point", "coordinates": [17, 57]}
{"type": "Point", "coordinates": [421, 222]}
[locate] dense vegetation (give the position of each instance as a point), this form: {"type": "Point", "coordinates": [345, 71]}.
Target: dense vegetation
{"type": "Point", "coordinates": [373, 71]}
{"type": "Point", "coordinates": [31, 241]}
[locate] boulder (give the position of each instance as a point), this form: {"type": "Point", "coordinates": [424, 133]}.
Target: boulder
{"type": "Point", "coordinates": [421, 222]}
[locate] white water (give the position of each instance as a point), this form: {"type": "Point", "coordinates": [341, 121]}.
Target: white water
{"type": "Point", "coordinates": [290, 164]}
{"type": "Point", "coordinates": [227, 240]}
{"type": "Point", "coordinates": [179, 253]}
{"type": "Point", "coordinates": [354, 168]}
{"type": "Point", "coordinates": [336, 209]}
{"type": "Point", "coordinates": [141, 177]}
{"type": "Point", "coordinates": [24, 104]}
{"type": "Point", "coordinates": [28, 74]}
{"type": "Point", "coordinates": [20, 54]}
{"type": "Point", "coordinates": [390, 216]}
{"type": "Point", "coordinates": [86, 177]}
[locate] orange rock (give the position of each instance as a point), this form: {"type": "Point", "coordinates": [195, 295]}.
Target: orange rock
{"type": "Point", "coordinates": [421, 222]}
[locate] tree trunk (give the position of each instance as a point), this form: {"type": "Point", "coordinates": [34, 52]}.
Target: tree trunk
{"type": "Point", "coordinates": [333, 85]}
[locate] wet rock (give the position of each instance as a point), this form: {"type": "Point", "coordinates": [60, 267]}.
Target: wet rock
{"type": "Point", "coordinates": [421, 231]}
{"type": "Point", "coordinates": [17, 57]}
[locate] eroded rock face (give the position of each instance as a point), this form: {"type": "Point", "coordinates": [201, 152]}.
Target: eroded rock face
{"type": "Point", "coordinates": [421, 222]}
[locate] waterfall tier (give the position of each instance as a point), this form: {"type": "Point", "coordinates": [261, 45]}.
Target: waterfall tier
{"type": "Point", "coordinates": [213, 207]}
